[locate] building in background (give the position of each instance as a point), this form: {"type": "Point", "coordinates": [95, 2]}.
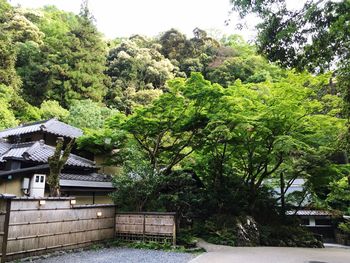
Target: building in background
{"type": "Point", "coordinates": [24, 153]}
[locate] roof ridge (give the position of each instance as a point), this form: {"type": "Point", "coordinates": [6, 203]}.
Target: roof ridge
{"type": "Point", "coordinates": [47, 123]}
{"type": "Point", "coordinates": [84, 159]}
{"type": "Point", "coordinates": [53, 120]}
{"type": "Point", "coordinates": [32, 148]}
{"type": "Point", "coordinates": [22, 144]}
{"type": "Point", "coordinates": [25, 125]}
{"type": "Point", "coordinates": [53, 126]}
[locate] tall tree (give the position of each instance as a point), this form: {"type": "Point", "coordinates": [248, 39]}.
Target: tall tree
{"type": "Point", "coordinates": [138, 72]}
{"type": "Point", "coordinates": [315, 37]}
{"type": "Point", "coordinates": [70, 62]}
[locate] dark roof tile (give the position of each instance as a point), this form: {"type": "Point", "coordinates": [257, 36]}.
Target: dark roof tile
{"type": "Point", "coordinates": [52, 126]}
{"type": "Point", "coordinates": [95, 177]}
{"type": "Point", "coordinates": [4, 147]}
{"type": "Point", "coordinates": [92, 180]}
{"type": "Point", "coordinates": [309, 213]}
{"type": "Point", "coordinates": [40, 152]}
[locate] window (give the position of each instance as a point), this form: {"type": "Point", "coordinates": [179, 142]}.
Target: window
{"type": "Point", "coordinates": [37, 179]}
{"type": "Point", "coordinates": [323, 222]}
{"type": "Point", "coordinates": [42, 179]}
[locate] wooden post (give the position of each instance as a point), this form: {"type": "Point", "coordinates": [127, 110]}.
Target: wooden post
{"type": "Point", "coordinates": [115, 221]}
{"type": "Point", "coordinates": [174, 230]}
{"type": "Point", "coordinates": [6, 228]}
{"type": "Point", "coordinates": [144, 228]}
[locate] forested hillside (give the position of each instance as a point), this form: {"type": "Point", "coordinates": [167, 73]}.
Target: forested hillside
{"type": "Point", "coordinates": [202, 126]}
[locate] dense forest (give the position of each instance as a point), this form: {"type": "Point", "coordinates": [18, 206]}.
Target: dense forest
{"type": "Point", "coordinates": [206, 127]}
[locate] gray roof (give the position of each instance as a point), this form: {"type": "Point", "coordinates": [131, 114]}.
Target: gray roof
{"type": "Point", "coordinates": [96, 177]}
{"type": "Point", "coordinates": [92, 180]}
{"type": "Point", "coordinates": [52, 126]}
{"type": "Point", "coordinates": [4, 146]}
{"type": "Point", "coordinates": [309, 213]}
{"type": "Point", "coordinates": [40, 152]}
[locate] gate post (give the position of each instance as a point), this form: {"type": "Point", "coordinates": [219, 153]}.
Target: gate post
{"type": "Point", "coordinates": [8, 200]}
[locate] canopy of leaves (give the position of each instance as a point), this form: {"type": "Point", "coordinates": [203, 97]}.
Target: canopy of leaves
{"type": "Point", "coordinates": [88, 114]}
{"type": "Point", "coordinates": [138, 73]}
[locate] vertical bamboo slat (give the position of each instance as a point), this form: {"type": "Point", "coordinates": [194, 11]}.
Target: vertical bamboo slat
{"type": "Point", "coordinates": [146, 226]}
{"type": "Point", "coordinates": [34, 229]}
{"type": "Point", "coordinates": [28, 227]}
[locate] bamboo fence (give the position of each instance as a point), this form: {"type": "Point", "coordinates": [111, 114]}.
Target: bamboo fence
{"type": "Point", "coordinates": [160, 227]}
{"type": "Point", "coordinates": [31, 226]}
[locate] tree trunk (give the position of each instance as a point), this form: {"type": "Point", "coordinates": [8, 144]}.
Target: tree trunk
{"type": "Point", "coordinates": [283, 204]}
{"type": "Point", "coordinates": [56, 164]}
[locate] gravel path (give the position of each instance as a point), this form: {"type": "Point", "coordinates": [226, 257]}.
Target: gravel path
{"type": "Point", "coordinates": [116, 255]}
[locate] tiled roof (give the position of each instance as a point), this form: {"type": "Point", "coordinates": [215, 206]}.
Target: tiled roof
{"type": "Point", "coordinates": [96, 177]}
{"type": "Point", "coordinates": [4, 146]}
{"type": "Point", "coordinates": [52, 126]}
{"type": "Point", "coordinates": [40, 152]}
{"type": "Point", "coordinates": [85, 184]}
{"type": "Point", "coordinates": [309, 213]}
{"type": "Point", "coordinates": [92, 180]}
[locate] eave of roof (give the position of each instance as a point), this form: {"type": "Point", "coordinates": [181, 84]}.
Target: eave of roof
{"type": "Point", "coordinates": [25, 170]}
{"type": "Point", "coordinates": [309, 212]}
{"type": "Point", "coordinates": [52, 126]}
{"type": "Point", "coordinates": [40, 152]}
{"type": "Point", "coordinates": [92, 180]}
{"type": "Point", "coordinates": [4, 147]}
{"type": "Point", "coordinates": [88, 184]}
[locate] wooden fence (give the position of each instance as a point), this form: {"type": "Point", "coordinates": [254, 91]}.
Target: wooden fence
{"type": "Point", "coordinates": [146, 226]}
{"type": "Point", "coordinates": [31, 226]}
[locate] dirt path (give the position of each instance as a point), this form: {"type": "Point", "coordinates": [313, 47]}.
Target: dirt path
{"type": "Point", "coordinates": [226, 254]}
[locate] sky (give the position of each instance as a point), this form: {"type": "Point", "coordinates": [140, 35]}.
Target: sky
{"type": "Point", "coordinates": [123, 18]}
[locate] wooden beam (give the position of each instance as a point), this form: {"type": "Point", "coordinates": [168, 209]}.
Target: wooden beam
{"type": "Point", "coordinates": [6, 230]}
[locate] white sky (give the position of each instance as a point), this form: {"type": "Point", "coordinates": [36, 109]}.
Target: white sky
{"type": "Point", "coordinates": [122, 18]}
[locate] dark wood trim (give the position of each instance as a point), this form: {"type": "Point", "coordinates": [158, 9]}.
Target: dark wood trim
{"type": "Point", "coordinates": [143, 227]}
{"type": "Point", "coordinates": [58, 234]}
{"type": "Point", "coordinates": [6, 230]}
{"type": "Point", "coordinates": [43, 198]}
{"type": "Point", "coordinates": [58, 221]}
{"type": "Point", "coordinates": [25, 170]}
{"type": "Point", "coordinates": [92, 206]}
{"type": "Point", "coordinates": [84, 189]}
{"type": "Point", "coordinates": [57, 246]}
{"type": "Point", "coordinates": [147, 213]}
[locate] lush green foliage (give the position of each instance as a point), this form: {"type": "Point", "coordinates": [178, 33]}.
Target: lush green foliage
{"type": "Point", "coordinates": [88, 114]}
{"type": "Point", "coordinates": [69, 64]}
{"type": "Point", "coordinates": [199, 126]}
{"type": "Point", "coordinates": [138, 72]}
{"type": "Point", "coordinates": [229, 140]}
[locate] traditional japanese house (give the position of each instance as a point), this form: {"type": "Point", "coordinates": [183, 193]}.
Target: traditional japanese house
{"type": "Point", "coordinates": [24, 153]}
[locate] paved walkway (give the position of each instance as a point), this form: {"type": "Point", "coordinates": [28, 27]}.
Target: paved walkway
{"type": "Point", "coordinates": [226, 254]}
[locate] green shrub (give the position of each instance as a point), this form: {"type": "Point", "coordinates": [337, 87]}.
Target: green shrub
{"type": "Point", "coordinates": [151, 245]}
{"type": "Point", "coordinates": [345, 227]}
{"type": "Point", "coordinates": [219, 229]}
{"type": "Point", "coordinates": [290, 236]}
{"type": "Point", "coordinates": [186, 238]}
